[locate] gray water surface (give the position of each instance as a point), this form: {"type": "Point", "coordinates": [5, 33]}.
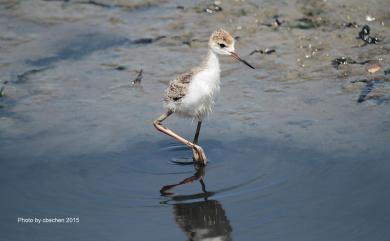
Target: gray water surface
{"type": "Point", "coordinates": [292, 154]}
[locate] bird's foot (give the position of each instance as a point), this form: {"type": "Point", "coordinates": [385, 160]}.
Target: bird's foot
{"type": "Point", "coordinates": [199, 155]}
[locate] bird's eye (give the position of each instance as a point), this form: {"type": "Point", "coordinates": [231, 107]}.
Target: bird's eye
{"type": "Point", "coordinates": [222, 46]}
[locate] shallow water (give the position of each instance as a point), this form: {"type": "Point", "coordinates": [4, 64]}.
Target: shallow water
{"type": "Point", "coordinates": [292, 155]}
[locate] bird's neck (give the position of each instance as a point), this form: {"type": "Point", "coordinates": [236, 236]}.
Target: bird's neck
{"type": "Point", "coordinates": [212, 61]}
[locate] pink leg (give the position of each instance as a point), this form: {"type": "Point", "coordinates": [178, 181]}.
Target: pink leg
{"type": "Point", "coordinates": [197, 151]}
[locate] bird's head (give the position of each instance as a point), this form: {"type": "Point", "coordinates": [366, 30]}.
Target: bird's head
{"type": "Point", "coordinates": [222, 43]}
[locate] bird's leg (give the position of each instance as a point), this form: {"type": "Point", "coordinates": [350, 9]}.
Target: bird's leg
{"type": "Point", "coordinates": [198, 152]}
{"type": "Point", "coordinates": [197, 133]}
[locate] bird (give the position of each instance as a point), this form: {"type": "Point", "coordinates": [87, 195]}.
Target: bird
{"type": "Point", "coordinates": [191, 95]}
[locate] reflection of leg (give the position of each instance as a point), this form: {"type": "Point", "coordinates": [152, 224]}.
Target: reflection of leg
{"type": "Point", "coordinates": [203, 185]}
{"type": "Point", "coordinates": [200, 171]}
{"type": "Point", "coordinates": [198, 152]}
{"type": "Point", "coordinates": [197, 132]}
{"type": "Point", "coordinates": [164, 189]}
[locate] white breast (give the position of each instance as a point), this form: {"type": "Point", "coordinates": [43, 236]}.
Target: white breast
{"type": "Point", "coordinates": [199, 99]}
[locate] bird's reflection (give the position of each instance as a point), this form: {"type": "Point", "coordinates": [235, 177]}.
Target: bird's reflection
{"type": "Point", "coordinates": [200, 220]}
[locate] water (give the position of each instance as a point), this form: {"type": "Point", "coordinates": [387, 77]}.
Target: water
{"type": "Point", "coordinates": [292, 155]}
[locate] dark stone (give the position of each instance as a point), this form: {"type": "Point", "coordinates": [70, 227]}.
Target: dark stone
{"type": "Point", "coordinates": [265, 51]}
{"type": "Point", "coordinates": [342, 60]}
{"type": "Point", "coordinates": [121, 67]}
{"type": "Point", "coordinates": [305, 23]}
{"type": "Point", "coordinates": [346, 60]}
{"type": "Point", "coordinates": [364, 34]}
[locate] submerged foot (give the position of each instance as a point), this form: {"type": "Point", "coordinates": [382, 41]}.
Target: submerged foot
{"type": "Point", "coordinates": [199, 155]}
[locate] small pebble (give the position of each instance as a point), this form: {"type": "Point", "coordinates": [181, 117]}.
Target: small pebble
{"type": "Point", "coordinates": [121, 67]}
{"type": "Point", "coordinates": [114, 20]}
{"type": "Point", "coordinates": [370, 18]}
{"type": "Point", "coordinates": [213, 8]}
{"type": "Point", "coordinates": [373, 68]}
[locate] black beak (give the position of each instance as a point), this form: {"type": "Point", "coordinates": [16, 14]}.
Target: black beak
{"type": "Point", "coordinates": [234, 55]}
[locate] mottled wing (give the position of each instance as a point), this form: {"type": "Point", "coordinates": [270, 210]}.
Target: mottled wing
{"type": "Point", "coordinates": [177, 88]}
